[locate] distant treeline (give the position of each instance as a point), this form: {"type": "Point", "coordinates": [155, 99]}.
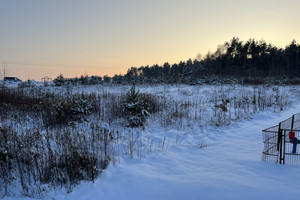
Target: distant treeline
{"type": "Point", "coordinates": [248, 62]}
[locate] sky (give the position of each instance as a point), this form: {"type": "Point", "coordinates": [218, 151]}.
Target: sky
{"type": "Point", "coordinates": [41, 38]}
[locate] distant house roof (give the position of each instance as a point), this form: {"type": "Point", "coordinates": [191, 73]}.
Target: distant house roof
{"type": "Point", "coordinates": [15, 79]}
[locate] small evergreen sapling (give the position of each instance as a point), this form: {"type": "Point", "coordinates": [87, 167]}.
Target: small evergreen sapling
{"type": "Point", "coordinates": [82, 107]}
{"type": "Point", "coordinates": [135, 108]}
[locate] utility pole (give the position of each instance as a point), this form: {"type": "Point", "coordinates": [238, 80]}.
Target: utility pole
{"type": "Point", "coordinates": [3, 72]}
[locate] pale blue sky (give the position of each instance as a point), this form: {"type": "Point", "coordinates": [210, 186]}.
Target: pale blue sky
{"type": "Point", "coordinates": [73, 37]}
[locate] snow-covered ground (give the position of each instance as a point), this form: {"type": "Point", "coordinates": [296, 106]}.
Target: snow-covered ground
{"type": "Point", "coordinates": [230, 167]}
{"type": "Point", "coordinates": [207, 163]}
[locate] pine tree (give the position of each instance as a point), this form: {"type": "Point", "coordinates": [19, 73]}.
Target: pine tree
{"type": "Point", "coordinates": [135, 108]}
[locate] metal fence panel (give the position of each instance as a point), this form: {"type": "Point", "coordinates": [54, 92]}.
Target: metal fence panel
{"type": "Point", "coordinates": [281, 146]}
{"type": "Point", "coordinates": [291, 148]}
{"type": "Point", "coordinates": [270, 152]}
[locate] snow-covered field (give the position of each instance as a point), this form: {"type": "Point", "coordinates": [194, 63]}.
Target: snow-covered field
{"type": "Point", "coordinates": [199, 152]}
{"type": "Point", "coordinates": [230, 167]}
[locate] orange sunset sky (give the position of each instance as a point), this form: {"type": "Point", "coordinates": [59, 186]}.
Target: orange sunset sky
{"type": "Point", "coordinates": [72, 37]}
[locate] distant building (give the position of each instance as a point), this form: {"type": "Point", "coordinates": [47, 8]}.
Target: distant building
{"type": "Point", "coordinates": [12, 79]}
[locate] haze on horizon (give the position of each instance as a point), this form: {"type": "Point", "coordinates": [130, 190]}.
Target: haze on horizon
{"type": "Point", "coordinates": [75, 37]}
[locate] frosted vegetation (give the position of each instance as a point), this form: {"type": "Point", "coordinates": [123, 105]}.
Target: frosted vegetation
{"type": "Point", "coordinates": [55, 137]}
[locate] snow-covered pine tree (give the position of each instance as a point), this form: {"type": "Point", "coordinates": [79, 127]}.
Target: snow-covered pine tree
{"type": "Point", "coordinates": [135, 108]}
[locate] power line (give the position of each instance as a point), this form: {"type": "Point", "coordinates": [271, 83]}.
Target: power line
{"type": "Point", "coordinates": [38, 64]}
{"type": "Point", "coordinates": [49, 65]}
